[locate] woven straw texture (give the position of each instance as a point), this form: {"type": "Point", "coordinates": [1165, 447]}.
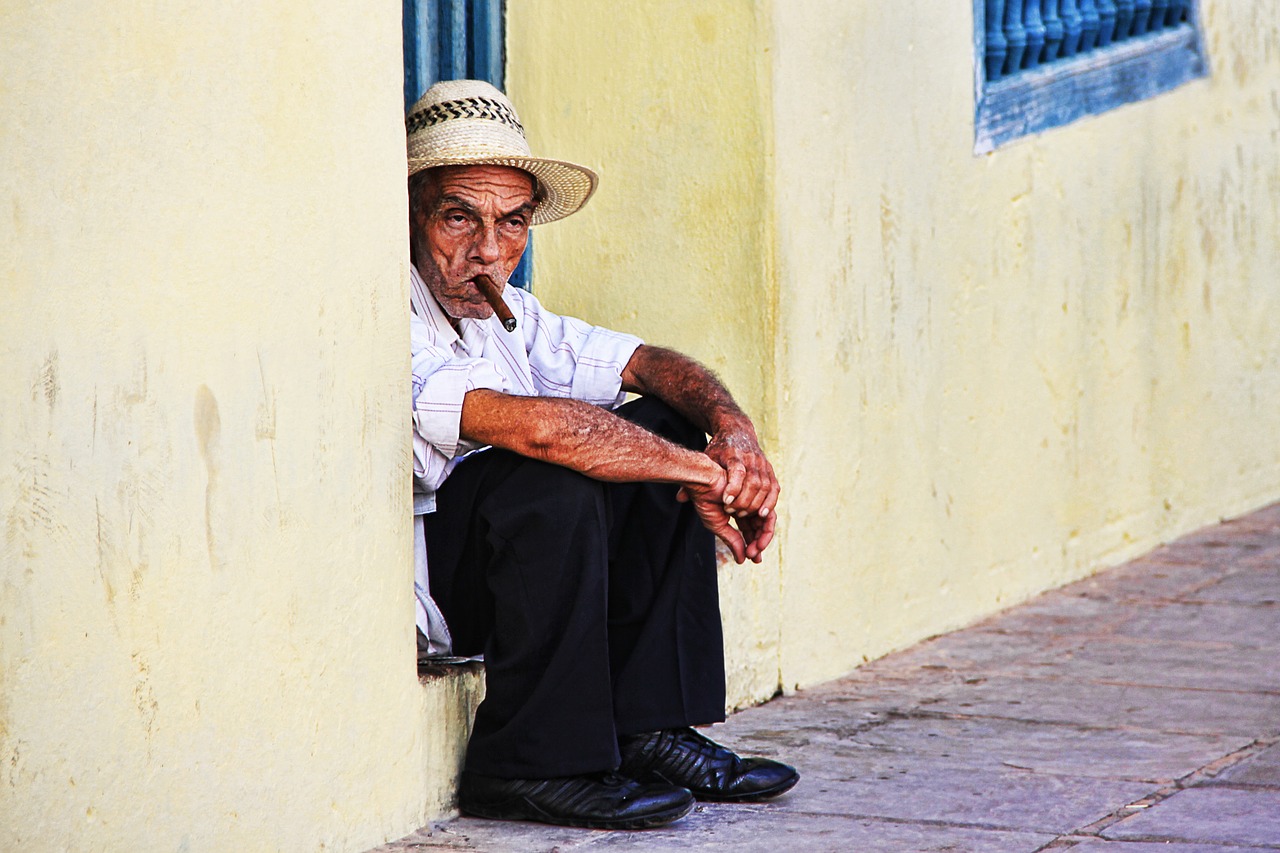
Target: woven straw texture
{"type": "Point", "coordinates": [469, 122]}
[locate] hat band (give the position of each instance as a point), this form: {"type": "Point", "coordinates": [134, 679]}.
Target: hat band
{"type": "Point", "coordinates": [483, 108]}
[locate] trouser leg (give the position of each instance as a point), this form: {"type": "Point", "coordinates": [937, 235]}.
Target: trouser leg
{"type": "Point", "coordinates": [593, 603]}
{"type": "Point", "coordinates": [522, 577]}
{"type": "Point", "coordinates": [666, 646]}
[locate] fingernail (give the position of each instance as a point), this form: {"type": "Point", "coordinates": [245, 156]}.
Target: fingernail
{"type": "Point", "coordinates": [764, 510]}
{"type": "Point", "coordinates": [728, 499]}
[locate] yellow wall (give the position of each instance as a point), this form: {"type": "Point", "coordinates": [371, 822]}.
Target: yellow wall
{"type": "Point", "coordinates": [665, 99]}
{"type": "Point", "coordinates": [205, 585]}
{"type": "Point", "coordinates": [979, 376]}
{"type": "Point", "coordinates": [1047, 359]}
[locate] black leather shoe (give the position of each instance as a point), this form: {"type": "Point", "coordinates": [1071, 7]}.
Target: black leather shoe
{"type": "Point", "coordinates": [598, 801]}
{"type": "Point", "coordinates": [684, 757]}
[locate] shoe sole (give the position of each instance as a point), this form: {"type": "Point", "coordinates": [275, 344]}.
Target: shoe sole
{"type": "Point", "coordinates": [522, 809]}
{"type": "Point", "coordinates": [753, 797]}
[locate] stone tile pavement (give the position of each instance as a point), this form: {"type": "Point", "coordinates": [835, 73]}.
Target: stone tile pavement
{"type": "Point", "coordinates": [1132, 712]}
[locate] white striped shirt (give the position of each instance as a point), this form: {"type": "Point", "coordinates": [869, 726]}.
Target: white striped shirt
{"type": "Point", "coordinates": [546, 356]}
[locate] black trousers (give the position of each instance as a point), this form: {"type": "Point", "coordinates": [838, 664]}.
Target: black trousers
{"type": "Point", "coordinates": [595, 605]}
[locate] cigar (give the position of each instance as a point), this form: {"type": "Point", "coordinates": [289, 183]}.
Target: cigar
{"type": "Point", "coordinates": [493, 295]}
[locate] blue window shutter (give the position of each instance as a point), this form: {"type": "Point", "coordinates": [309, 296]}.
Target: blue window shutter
{"type": "Point", "coordinates": [449, 40]}
{"type": "Point", "coordinates": [486, 46]}
{"type": "Point", "coordinates": [455, 39]}
{"type": "Point", "coordinates": [1039, 64]}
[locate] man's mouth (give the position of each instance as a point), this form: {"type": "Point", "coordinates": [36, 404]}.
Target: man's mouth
{"type": "Point", "coordinates": [474, 285]}
{"type": "Point", "coordinates": [492, 292]}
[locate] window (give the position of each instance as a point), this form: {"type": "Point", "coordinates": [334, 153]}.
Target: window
{"type": "Point", "coordinates": [1044, 63]}
{"type": "Point", "coordinates": [453, 39]}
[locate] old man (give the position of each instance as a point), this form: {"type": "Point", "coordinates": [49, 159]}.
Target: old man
{"type": "Point", "coordinates": [563, 534]}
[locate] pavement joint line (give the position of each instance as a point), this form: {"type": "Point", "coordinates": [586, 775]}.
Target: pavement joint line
{"type": "Point", "coordinates": [1179, 840]}
{"type": "Point", "coordinates": [1059, 679]}
{"type": "Point", "coordinates": [1064, 842]}
{"type": "Point", "coordinates": [1081, 726]}
{"type": "Point", "coordinates": [1011, 674]}
{"type": "Point", "coordinates": [1246, 786]}
{"type": "Point", "coordinates": [1190, 780]}
{"type": "Point", "coordinates": [1193, 688]}
{"type": "Point", "coordinates": [1231, 759]}
{"type": "Point", "coordinates": [922, 714]}
{"type": "Point", "coordinates": [1209, 602]}
{"type": "Point", "coordinates": [1074, 641]}
{"type": "Point", "coordinates": [925, 821]}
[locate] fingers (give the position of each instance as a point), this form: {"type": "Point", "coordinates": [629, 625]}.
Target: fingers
{"type": "Point", "coordinates": [748, 540]}
{"type": "Point", "coordinates": [752, 485]}
{"type": "Point", "coordinates": [759, 492]}
{"type": "Point", "coordinates": [746, 499]}
{"type": "Point", "coordinates": [758, 533]}
{"type": "Point", "coordinates": [755, 488]}
{"type": "Point", "coordinates": [749, 496]}
{"type": "Point", "coordinates": [733, 489]}
{"type": "Point", "coordinates": [715, 519]}
{"type": "Point", "coordinates": [734, 541]}
{"type": "Point", "coordinates": [770, 500]}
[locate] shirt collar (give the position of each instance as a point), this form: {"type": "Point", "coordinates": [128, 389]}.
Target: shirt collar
{"type": "Point", "coordinates": [424, 304]}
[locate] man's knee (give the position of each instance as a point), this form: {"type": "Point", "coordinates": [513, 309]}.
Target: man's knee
{"type": "Point", "coordinates": [548, 496]}
{"type": "Point", "coordinates": [563, 488]}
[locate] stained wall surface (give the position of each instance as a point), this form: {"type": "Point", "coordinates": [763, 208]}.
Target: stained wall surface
{"type": "Point", "coordinates": [667, 101]}
{"type": "Point", "coordinates": [1036, 362]}
{"type": "Point", "coordinates": [205, 593]}
{"type": "Point", "coordinates": [981, 376]}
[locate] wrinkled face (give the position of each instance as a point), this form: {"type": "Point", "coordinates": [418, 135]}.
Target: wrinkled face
{"type": "Point", "coordinates": [466, 221]}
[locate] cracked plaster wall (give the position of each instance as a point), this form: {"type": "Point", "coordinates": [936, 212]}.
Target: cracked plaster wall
{"type": "Point", "coordinates": [204, 483]}
{"type": "Point", "coordinates": [979, 377]}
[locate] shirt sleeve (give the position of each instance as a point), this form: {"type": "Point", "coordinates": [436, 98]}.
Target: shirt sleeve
{"type": "Point", "coordinates": [572, 358]}
{"type": "Point", "coordinates": [440, 380]}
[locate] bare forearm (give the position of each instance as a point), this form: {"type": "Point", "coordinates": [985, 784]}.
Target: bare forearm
{"type": "Point", "coordinates": [686, 386]}
{"type": "Point", "coordinates": [751, 488]}
{"type": "Point", "coordinates": [606, 447]}
{"type": "Point", "coordinates": [582, 437]}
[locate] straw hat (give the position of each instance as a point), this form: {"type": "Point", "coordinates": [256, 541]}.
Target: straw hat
{"type": "Point", "coordinates": [469, 122]}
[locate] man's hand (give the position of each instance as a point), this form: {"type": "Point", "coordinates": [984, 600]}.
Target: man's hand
{"type": "Point", "coordinates": [745, 542]}
{"type": "Point", "coordinates": [751, 491]}
{"type": "Point", "coordinates": [599, 444]}
{"type": "Point", "coordinates": [752, 487]}
{"type": "Point", "coordinates": [708, 502]}
{"type": "Point", "coordinates": [757, 532]}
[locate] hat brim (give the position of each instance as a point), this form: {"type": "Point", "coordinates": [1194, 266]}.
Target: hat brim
{"type": "Point", "coordinates": [565, 187]}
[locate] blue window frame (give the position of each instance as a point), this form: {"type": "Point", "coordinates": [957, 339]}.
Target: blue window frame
{"type": "Point", "coordinates": [451, 40]}
{"type": "Point", "coordinates": [1044, 63]}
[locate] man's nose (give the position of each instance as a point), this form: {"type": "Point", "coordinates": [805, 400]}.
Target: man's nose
{"type": "Point", "coordinates": [485, 250]}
